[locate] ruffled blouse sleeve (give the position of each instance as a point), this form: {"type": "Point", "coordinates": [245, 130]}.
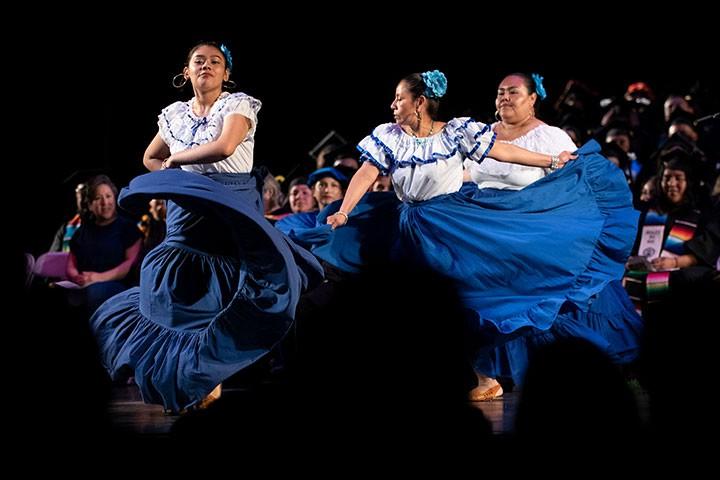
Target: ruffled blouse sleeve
{"type": "Point", "coordinates": [374, 148]}
{"type": "Point", "coordinates": [473, 139]}
{"type": "Point", "coordinates": [245, 105]}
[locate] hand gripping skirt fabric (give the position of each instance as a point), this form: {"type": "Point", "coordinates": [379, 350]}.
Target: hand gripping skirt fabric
{"type": "Point", "coordinates": [518, 257]}
{"type": "Point", "coordinates": [214, 296]}
{"type": "Point", "coordinates": [371, 237]}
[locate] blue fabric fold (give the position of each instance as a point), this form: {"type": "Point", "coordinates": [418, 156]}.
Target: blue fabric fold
{"type": "Point", "coordinates": [214, 297]}
{"type": "Point", "coordinates": [371, 237]}
{"type": "Point", "coordinates": [518, 256]}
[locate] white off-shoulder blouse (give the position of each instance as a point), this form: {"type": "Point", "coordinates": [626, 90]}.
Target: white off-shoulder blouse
{"type": "Point", "coordinates": [181, 129]}
{"type": "Point", "coordinates": [511, 176]}
{"type": "Point", "coordinates": [423, 168]}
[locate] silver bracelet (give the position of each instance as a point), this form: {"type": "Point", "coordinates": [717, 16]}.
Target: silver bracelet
{"type": "Point", "coordinates": [340, 212]}
{"type": "Point", "coordinates": [554, 162]}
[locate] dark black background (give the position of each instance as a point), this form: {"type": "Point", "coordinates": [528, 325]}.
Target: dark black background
{"type": "Point", "coordinates": [96, 89]}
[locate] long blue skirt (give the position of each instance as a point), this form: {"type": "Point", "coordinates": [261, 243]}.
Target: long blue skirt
{"type": "Point", "coordinates": [610, 323]}
{"type": "Point", "coordinates": [523, 260]}
{"type": "Point", "coordinates": [214, 297]}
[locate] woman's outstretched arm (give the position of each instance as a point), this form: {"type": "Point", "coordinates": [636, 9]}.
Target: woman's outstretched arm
{"type": "Point", "coordinates": [506, 152]}
{"type": "Point", "coordinates": [359, 185]}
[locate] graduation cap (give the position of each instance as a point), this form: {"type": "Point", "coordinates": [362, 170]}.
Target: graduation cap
{"type": "Point", "coordinates": [678, 159]}
{"type": "Point", "coordinates": [715, 116]}
{"type": "Point", "coordinates": [81, 176]}
{"type": "Point", "coordinates": [617, 127]}
{"type": "Point", "coordinates": [327, 172]}
{"type": "Point", "coordinates": [329, 144]}
{"type": "Point", "coordinates": [680, 117]}
{"type": "Point", "coordinates": [333, 139]}
{"type": "Point", "coordinates": [343, 151]}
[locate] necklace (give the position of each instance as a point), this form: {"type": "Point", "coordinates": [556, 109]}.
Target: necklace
{"type": "Point", "coordinates": [432, 126]}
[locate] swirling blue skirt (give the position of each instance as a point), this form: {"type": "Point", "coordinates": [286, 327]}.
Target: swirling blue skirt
{"type": "Point", "coordinates": [522, 260]}
{"type": "Point", "coordinates": [214, 297]}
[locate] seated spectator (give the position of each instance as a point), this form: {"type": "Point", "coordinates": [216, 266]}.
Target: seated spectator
{"type": "Point", "coordinates": [104, 249]}
{"type": "Point", "coordinates": [648, 193]}
{"type": "Point", "coordinates": [275, 205]}
{"type": "Point", "coordinates": [677, 104]}
{"type": "Point", "coordinates": [300, 196]}
{"type": "Point", "coordinates": [327, 185]}
{"type": "Point", "coordinates": [152, 224]}
{"type": "Point", "coordinates": [667, 232]}
{"type": "Point", "coordinates": [61, 242]}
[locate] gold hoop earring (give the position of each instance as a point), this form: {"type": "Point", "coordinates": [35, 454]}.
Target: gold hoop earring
{"type": "Point", "coordinates": [176, 83]}
{"type": "Point", "coordinates": [497, 116]}
{"type": "Point", "coordinates": [417, 114]}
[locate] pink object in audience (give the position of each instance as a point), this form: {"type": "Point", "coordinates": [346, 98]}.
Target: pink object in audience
{"type": "Point", "coordinates": [52, 264]}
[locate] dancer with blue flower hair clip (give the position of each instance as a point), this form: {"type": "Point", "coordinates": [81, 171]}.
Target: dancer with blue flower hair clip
{"type": "Point", "coordinates": [221, 290]}
{"type": "Point", "coordinates": [518, 257]}
{"type": "Point", "coordinates": [435, 84]}
{"type": "Point", "coordinates": [517, 96]}
{"type": "Point", "coordinates": [539, 87]}
{"type": "Point", "coordinates": [434, 143]}
{"type": "Point", "coordinates": [610, 322]}
{"type": "Point", "coordinates": [208, 67]}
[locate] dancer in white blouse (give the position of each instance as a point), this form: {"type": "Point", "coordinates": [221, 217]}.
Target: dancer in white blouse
{"type": "Point", "coordinates": [433, 150]}
{"type": "Point", "coordinates": [515, 102]}
{"type": "Point", "coordinates": [502, 251]}
{"type": "Point", "coordinates": [611, 321]}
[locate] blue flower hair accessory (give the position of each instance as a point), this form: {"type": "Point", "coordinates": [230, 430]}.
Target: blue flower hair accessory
{"type": "Point", "coordinates": [539, 88]}
{"type": "Point", "coordinates": [228, 56]}
{"type": "Point", "coordinates": [435, 83]}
